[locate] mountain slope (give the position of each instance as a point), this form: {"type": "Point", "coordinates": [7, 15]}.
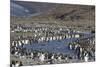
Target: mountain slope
{"type": "Point", "coordinates": [53, 13]}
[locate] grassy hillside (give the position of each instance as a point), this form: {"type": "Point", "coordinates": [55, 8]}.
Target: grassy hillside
{"type": "Point", "coordinates": [59, 14]}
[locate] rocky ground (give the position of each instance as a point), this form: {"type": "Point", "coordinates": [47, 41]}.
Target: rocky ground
{"type": "Point", "coordinates": [29, 62]}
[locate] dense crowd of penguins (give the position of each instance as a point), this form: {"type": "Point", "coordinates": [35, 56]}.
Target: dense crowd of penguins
{"type": "Point", "coordinates": [45, 35]}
